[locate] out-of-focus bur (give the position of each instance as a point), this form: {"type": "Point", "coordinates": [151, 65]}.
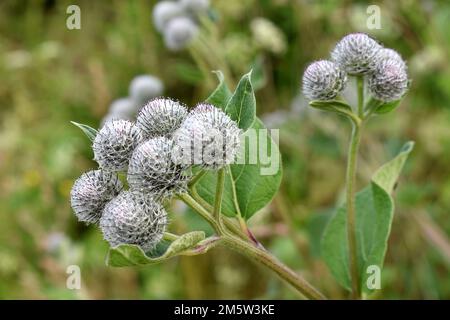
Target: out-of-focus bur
{"type": "Point", "coordinates": [179, 32]}
{"type": "Point", "coordinates": [153, 169]}
{"type": "Point", "coordinates": [268, 36]}
{"type": "Point", "coordinates": [208, 137]}
{"type": "Point", "coordinates": [356, 53]}
{"type": "Point", "coordinates": [323, 80]}
{"type": "Point", "coordinates": [91, 192]}
{"type": "Point", "coordinates": [195, 6]}
{"type": "Point", "coordinates": [389, 81]}
{"type": "Point", "coordinates": [161, 117]}
{"type": "Point", "coordinates": [134, 218]}
{"type": "Point", "coordinates": [145, 87]}
{"type": "Point", "coordinates": [165, 11]}
{"type": "Point", "coordinates": [115, 143]}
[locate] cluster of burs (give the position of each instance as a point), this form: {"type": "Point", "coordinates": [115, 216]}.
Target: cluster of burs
{"type": "Point", "coordinates": [177, 21]}
{"type": "Point", "coordinates": [156, 153]}
{"type": "Point", "coordinates": [357, 54]}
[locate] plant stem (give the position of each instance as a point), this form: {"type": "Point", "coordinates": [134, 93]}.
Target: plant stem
{"type": "Point", "coordinates": [255, 253]}
{"type": "Point", "coordinates": [219, 194]}
{"type": "Point", "coordinates": [196, 178]}
{"type": "Point", "coordinates": [269, 261]}
{"type": "Point", "coordinates": [360, 90]}
{"type": "Point", "coordinates": [350, 193]}
{"type": "Point", "coordinates": [191, 202]}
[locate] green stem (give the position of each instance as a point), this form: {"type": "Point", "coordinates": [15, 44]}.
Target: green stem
{"type": "Point", "coordinates": [350, 193]}
{"type": "Point", "coordinates": [255, 253]}
{"type": "Point", "coordinates": [219, 194]}
{"type": "Point", "coordinates": [360, 89]}
{"type": "Point", "coordinates": [196, 178]}
{"type": "Point", "coordinates": [272, 263]}
{"type": "Point", "coordinates": [191, 202]}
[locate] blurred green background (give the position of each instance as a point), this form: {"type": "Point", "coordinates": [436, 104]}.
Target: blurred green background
{"type": "Point", "coordinates": [50, 75]}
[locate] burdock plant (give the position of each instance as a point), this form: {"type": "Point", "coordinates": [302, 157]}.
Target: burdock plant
{"type": "Point", "coordinates": [355, 240]}
{"type": "Point", "coordinates": [192, 156]}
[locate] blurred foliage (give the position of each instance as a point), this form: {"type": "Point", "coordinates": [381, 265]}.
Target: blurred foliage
{"type": "Point", "coordinates": [50, 75]}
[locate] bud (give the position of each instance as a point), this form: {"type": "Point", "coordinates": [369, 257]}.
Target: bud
{"type": "Point", "coordinates": [161, 117]}
{"type": "Point", "coordinates": [389, 81]}
{"type": "Point", "coordinates": [91, 192]}
{"type": "Point", "coordinates": [133, 218]}
{"type": "Point", "coordinates": [208, 137]}
{"type": "Point", "coordinates": [115, 143]}
{"type": "Point", "coordinates": [153, 169]}
{"type": "Point", "coordinates": [179, 32]}
{"type": "Point", "coordinates": [164, 11]}
{"type": "Point", "coordinates": [356, 53]}
{"type": "Point", "coordinates": [323, 80]}
{"type": "Point", "coordinates": [386, 54]}
{"type": "Point", "coordinates": [145, 87]}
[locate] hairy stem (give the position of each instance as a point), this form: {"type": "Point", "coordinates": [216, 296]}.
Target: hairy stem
{"type": "Point", "coordinates": [255, 253]}
{"type": "Point", "coordinates": [272, 263]}
{"type": "Point", "coordinates": [350, 193]}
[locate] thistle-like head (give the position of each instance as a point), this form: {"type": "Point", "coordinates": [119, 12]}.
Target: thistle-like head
{"type": "Point", "coordinates": [164, 11]}
{"type": "Point", "coordinates": [115, 143]}
{"type": "Point", "coordinates": [208, 137]}
{"type": "Point", "coordinates": [145, 87]}
{"type": "Point", "coordinates": [133, 218]}
{"type": "Point", "coordinates": [161, 117]}
{"type": "Point", "coordinates": [179, 32]}
{"type": "Point", "coordinates": [356, 53]}
{"type": "Point", "coordinates": [91, 192]}
{"type": "Point", "coordinates": [323, 80]}
{"type": "Point", "coordinates": [389, 81]}
{"type": "Point", "coordinates": [154, 170]}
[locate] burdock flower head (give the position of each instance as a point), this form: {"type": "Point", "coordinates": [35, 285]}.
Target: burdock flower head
{"type": "Point", "coordinates": [152, 169]}
{"type": "Point", "coordinates": [145, 87]}
{"type": "Point", "coordinates": [114, 144]}
{"type": "Point", "coordinates": [164, 11]}
{"type": "Point", "coordinates": [389, 81]}
{"type": "Point", "coordinates": [323, 80]}
{"type": "Point", "coordinates": [356, 53]}
{"type": "Point", "coordinates": [133, 218]}
{"type": "Point", "coordinates": [161, 117]}
{"type": "Point", "coordinates": [179, 32]}
{"type": "Point", "coordinates": [208, 137]}
{"type": "Point", "coordinates": [91, 192]}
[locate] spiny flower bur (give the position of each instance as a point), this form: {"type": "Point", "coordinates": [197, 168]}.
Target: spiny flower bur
{"type": "Point", "coordinates": [208, 137]}
{"type": "Point", "coordinates": [389, 82]}
{"type": "Point", "coordinates": [134, 218]}
{"type": "Point", "coordinates": [115, 143]}
{"type": "Point", "coordinates": [161, 117]}
{"type": "Point", "coordinates": [356, 53]}
{"type": "Point", "coordinates": [323, 80]}
{"type": "Point", "coordinates": [91, 192]}
{"type": "Point", "coordinates": [153, 169]}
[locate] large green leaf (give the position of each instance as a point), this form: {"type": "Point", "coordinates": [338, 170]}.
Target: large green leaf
{"type": "Point", "coordinates": [248, 188]}
{"type": "Point", "coordinates": [221, 95]}
{"type": "Point", "coordinates": [132, 255]}
{"type": "Point", "coordinates": [242, 105]}
{"type": "Point", "coordinates": [374, 213]}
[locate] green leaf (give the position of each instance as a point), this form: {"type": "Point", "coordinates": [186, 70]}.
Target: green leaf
{"type": "Point", "coordinates": [132, 255]}
{"type": "Point", "coordinates": [387, 107]}
{"type": "Point", "coordinates": [335, 106]}
{"type": "Point", "coordinates": [242, 105]}
{"type": "Point", "coordinates": [374, 213]}
{"type": "Point", "coordinates": [88, 131]}
{"type": "Point", "coordinates": [248, 187]}
{"type": "Point", "coordinates": [221, 95]}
